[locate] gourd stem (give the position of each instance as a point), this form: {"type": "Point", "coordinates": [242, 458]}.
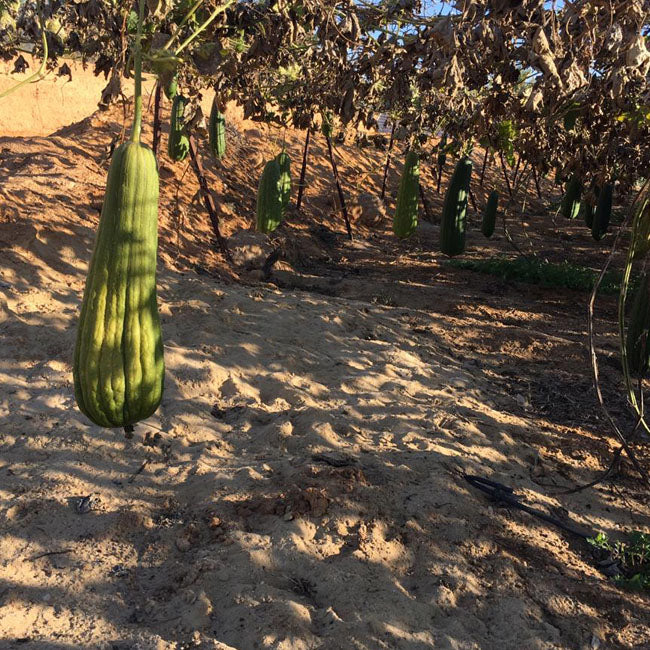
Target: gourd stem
{"type": "Point", "coordinates": [189, 14]}
{"type": "Point", "coordinates": [137, 111]}
{"type": "Point", "coordinates": [39, 73]}
{"type": "Point", "coordinates": [210, 18]}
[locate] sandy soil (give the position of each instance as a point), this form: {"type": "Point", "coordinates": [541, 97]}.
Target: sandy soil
{"type": "Point", "coordinates": [297, 489]}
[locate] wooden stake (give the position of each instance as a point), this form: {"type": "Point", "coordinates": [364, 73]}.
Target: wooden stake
{"type": "Point", "coordinates": [207, 199]}
{"type": "Point", "coordinates": [539, 192]}
{"type": "Point", "coordinates": [156, 119]}
{"type": "Point", "coordinates": [387, 165]}
{"type": "Point", "coordinates": [425, 203]}
{"type": "Point", "coordinates": [338, 187]}
{"type": "Point", "coordinates": [487, 151]}
{"type": "Point", "coordinates": [505, 174]}
{"type": "Point", "coordinates": [303, 169]}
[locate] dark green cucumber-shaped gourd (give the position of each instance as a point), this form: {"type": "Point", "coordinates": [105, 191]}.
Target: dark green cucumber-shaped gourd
{"type": "Point", "coordinates": [490, 214]}
{"type": "Point", "coordinates": [118, 360]}
{"type": "Point", "coordinates": [570, 206]}
{"type": "Point", "coordinates": [405, 220]}
{"type": "Point", "coordinates": [269, 198]}
{"type": "Point", "coordinates": [284, 162]}
{"type": "Point", "coordinates": [454, 212]}
{"type": "Point", "coordinates": [637, 344]}
{"type": "Point", "coordinates": [602, 213]}
{"type": "Point", "coordinates": [217, 132]}
{"type": "Point", "coordinates": [178, 144]}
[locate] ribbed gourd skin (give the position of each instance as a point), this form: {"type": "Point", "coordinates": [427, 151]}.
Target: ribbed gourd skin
{"type": "Point", "coordinates": [118, 360]}
{"type": "Point", "coordinates": [269, 198]}
{"type": "Point", "coordinates": [602, 213]}
{"type": "Point", "coordinates": [284, 162]}
{"type": "Point", "coordinates": [178, 144]}
{"type": "Point", "coordinates": [490, 214]}
{"type": "Point", "coordinates": [570, 207]}
{"type": "Point", "coordinates": [170, 87]}
{"type": "Point", "coordinates": [217, 132]}
{"type": "Point", "coordinates": [405, 220]}
{"type": "Point", "coordinates": [637, 344]}
{"type": "Point", "coordinates": [454, 212]}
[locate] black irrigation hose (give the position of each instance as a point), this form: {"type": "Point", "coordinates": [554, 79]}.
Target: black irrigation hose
{"type": "Point", "coordinates": [504, 494]}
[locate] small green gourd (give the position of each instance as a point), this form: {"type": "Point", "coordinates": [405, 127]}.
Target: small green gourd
{"type": "Point", "coordinates": [217, 132]}
{"type": "Point", "coordinates": [490, 214]}
{"type": "Point", "coordinates": [178, 144]}
{"type": "Point", "coordinates": [602, 213]}
{"type": "Point", "coordinates": [284, 162]}
{"type": "Point", "coordinates": [405, 220]}
{"type": "Point", "coordinates": [269, 198]}
{"type": "Point", "coordinates": [570, 207]}
{"type": "Point", "coordinates": [454, 212]}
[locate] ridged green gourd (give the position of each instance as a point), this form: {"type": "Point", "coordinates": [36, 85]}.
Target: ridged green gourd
{"type": "Point", "coordinates": [405, 220]}
{"type": "Point", "coordinates": [454, 212]}
{"type": "Point", "coordinates": [284, 162]}
{"type": "Point", "coordinates": [490, 214]}
{"type": "Point", "coordinates": [602, 213]}
{"type": "Point", "coordinates": [269, 198]}
{"type": "Point", "coordinates": [327, 127]}
{"type": "Point", "coordinates": [570, 207]}
{"type": "Point", "coordinates": [118, 360]}
{"type": "Point", "coordinates": [217, 132]}
{"type": "Point", "coordinates": [178, 144]}
{"type": "Point", "coordinates": [637, 344]}
{"type": "Point", "coordinates": [170, 87]}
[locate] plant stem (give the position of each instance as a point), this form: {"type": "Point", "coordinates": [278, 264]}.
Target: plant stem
{"type": "Point", "coordinates": [210, 18]}
{"type": "Point", "coordinates": [136, 129]}
{"type": "Point", "coordinates": [189, 14]}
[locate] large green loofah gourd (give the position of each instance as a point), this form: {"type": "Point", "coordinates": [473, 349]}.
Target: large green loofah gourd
{"type": "Point", "coordinates": [118, 360]}
{"type": "Point", "coordinates": [454, 212]}
{"type": "Point", "coordinates": [178, 144]}
{"type": "Point", "coordinates": [269, 198]}
{"type": "Point", "coordinates": [637, 344]}
{"type": "Point", "coordinates": [405, 220]}
{"type": "Point", "coordinates": [602, 212]}
{"type": "Point", "coordinates": [217, 132]}
{"type": "Point", "coordinates": [570, 207]}
{"type": "Point", "coordinates": [490, 214]}
{"type": "Point", "coordinates": [284, 162]}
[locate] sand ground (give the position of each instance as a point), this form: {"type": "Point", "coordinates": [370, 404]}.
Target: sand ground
{"type": "Point", "coordinates": [297, 487]}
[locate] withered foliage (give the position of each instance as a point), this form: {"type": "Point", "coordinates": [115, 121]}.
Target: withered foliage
{"type": "Point", "coordinates": [563, 84]}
